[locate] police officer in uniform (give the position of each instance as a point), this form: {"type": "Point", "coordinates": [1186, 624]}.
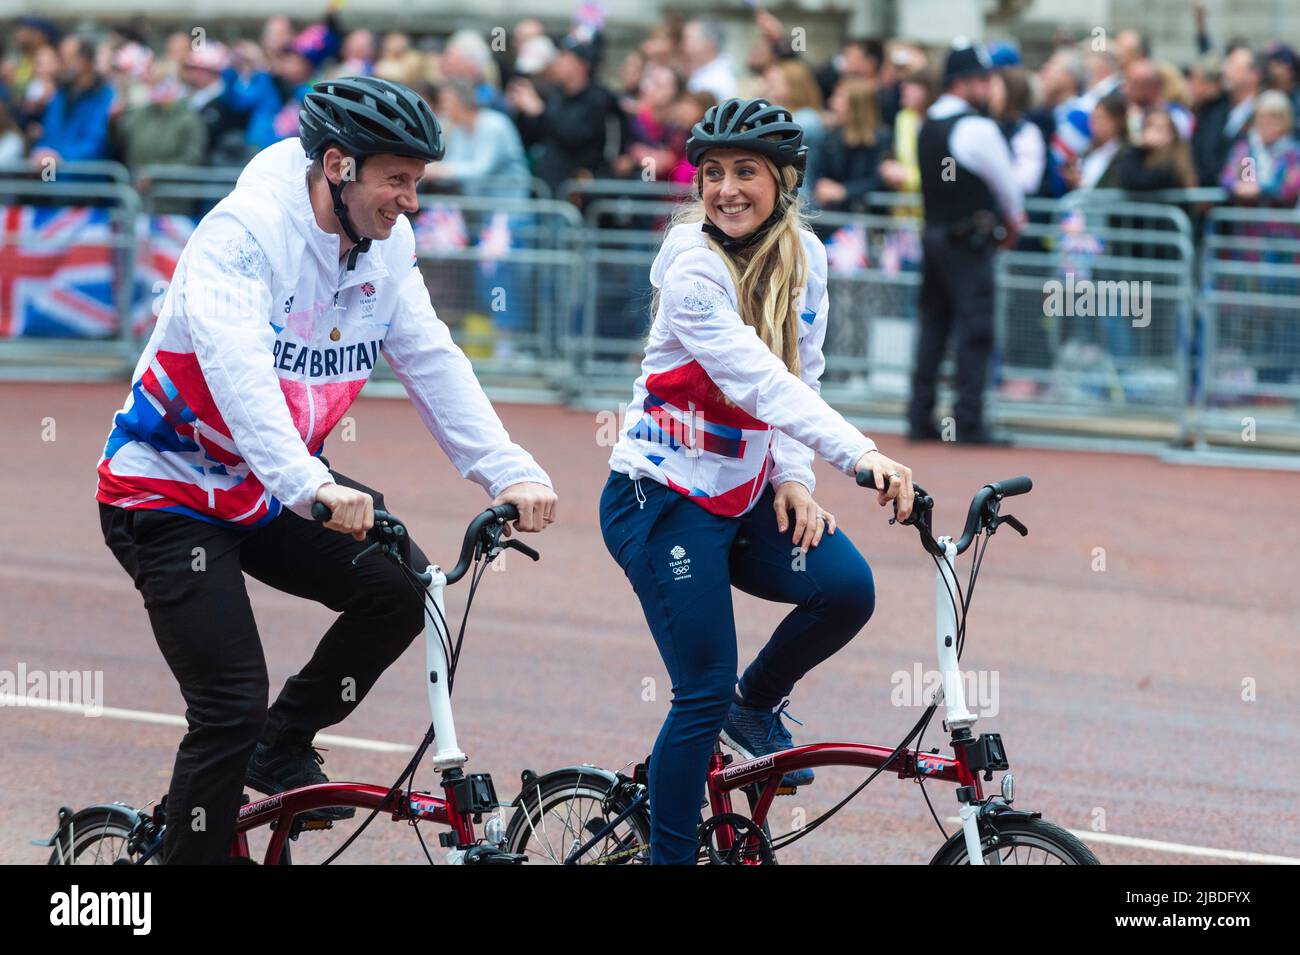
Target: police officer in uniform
{"type": "Point", "coordinates": [973, 204]}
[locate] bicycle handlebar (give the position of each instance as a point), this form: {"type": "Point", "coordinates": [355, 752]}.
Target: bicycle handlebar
{"type": "Point", "coordinates": [388, 529]}
{"type": "Point", "coordinates": [923, 504]}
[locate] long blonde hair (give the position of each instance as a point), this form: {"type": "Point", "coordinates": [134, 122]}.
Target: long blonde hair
{"type": "Point", "coordinates": [768, 290]}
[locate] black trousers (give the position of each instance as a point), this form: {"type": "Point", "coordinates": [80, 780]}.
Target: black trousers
{"type": "Point", "coordinates": [191, 575]}
{"type": "Point", "coordinates": [956, 290]}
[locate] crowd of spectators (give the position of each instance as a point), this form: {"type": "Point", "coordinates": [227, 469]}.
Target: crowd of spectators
{"type": "Point", "coordinates": [553, 106]}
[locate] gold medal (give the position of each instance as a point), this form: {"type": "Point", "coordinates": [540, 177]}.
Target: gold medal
{"type": "Point", "coordinates": [334, 334]}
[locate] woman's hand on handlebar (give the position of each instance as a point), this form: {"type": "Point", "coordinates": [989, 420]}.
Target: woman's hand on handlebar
{"type": "Point", "coordinates": [896, 478]}
{"type": "Point", "coordinates": [536, 504]}
{"type": "Point", "coordinates": [353, 511]}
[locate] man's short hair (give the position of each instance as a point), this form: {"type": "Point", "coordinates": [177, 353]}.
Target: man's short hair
{"type": "Point", "coordinates": [1144, 43]}
{"type": "Point", "coordinates": [869, 46]}
{"type": "Point", "coordinates": [85, 46]}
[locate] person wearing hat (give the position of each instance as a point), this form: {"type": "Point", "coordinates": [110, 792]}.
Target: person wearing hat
{"type": "Point", "coordinates": [723, 426]}
{"type": "Point", "coordinates": [973, 202]}
{"type": "Point", "coordinates": [536, 54]}
{"type": "Point", "coordinates": [205, 73]}
{"type": "Point", "coordinates": [282, 301]}
{"type": "Point", "coordinates": [1283, 73]}
{"type": "Point", "coordinates": [576, 128]}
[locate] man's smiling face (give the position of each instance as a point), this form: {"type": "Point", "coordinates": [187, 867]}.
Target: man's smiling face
{"type": "Point", "coordinates": [383, 190]}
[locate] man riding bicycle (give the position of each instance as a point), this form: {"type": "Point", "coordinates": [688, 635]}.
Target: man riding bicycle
{"type": "Point", "coordinates": [280, 305]}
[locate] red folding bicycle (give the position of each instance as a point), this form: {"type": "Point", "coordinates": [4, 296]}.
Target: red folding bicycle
{"type": "Point", "coordinates": [992, 832]}
{"type": "Point", "coordinates": [117, 833]}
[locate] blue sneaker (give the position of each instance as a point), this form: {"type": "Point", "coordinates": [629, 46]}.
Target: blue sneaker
{"type": "Point", "coordinates": [753, 731]}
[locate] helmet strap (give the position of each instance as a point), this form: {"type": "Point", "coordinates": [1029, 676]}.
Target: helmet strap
{"type": "Point", "coordinates": [744, 243]}
{"type": "Point", "coordinates": [359, 245]}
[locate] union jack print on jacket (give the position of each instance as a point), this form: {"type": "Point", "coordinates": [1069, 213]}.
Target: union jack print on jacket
{"type": "Point", "coordinates": [715, 413]}
{"type": "Point", "coordinates": [263, 340]}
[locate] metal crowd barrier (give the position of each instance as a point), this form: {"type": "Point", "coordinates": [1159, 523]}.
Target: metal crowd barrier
{"type": "Point", "coordinates": [507, 277]}
{"type": "Point", "coordinates": [1053, 369]}
{"type": "Point", "coordinates": [1098, 318]}
{"type": "Point", "coordinates": [93, 299]}
{"type": "Point", "coordinates": [618, 242]}
{"type": "Point", "coordinates": [873, 282]}
{"type": "Point", "coordinates": [1094, 317]}
{"type": "Point", "coordinates": [1249, 368]}
{"type": "Point", "coordinates": [580, 191]}
{"type": "Point", "coordinates": [178, 177]}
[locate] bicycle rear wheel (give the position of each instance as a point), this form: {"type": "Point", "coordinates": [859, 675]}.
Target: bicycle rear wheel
{"type": "Point", "coordinates": [559, 812]}
{"type": "Point", "coordinates": [99, 835]}
{"type": "Point", "coordinates": [1020, 841]}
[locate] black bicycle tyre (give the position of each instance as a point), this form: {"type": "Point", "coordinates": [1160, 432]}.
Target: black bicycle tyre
{"type": "Point", "coordinates": [553, 790]}
{"type": "Point", "coordinates": [1020, 832]}
{"type": "Point", "coordinates": [91, 827]}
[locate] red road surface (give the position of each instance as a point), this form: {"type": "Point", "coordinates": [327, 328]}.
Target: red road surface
{"type": "Point", "coordinates": [1120, 691]}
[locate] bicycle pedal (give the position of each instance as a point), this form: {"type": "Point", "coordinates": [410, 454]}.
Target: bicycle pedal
{"type": "Point", "coordinates": [786, 790]}
{"type": "Point", "coordinates": [317, 824]}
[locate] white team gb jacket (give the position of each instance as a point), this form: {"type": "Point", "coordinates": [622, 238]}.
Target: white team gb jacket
{"type": "Point", "coordinates": [263, 340]}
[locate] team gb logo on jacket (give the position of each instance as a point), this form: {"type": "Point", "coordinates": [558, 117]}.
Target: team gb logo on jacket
{"type": "Point", "coordinates": [367, 298]}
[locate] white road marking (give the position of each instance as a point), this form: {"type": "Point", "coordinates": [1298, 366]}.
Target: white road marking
{"type": "Point", "coordinates": [1178, 848]}
{"type": "Point", "coordinates": [170, 719]}
{"type": "Point", "coordinates": [382, 746]}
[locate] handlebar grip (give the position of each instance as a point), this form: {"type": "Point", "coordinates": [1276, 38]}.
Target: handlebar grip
{"type": "Point", "coordinates": [1013, 486]}
{"type": "Point", "coordinates": [867, 478]}
{"type": "Point", "coordinates": [507, 512]}
{"type": "Point", "coordinates": [321, 512]}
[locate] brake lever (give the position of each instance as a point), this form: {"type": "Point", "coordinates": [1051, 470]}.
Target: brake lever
{"type": "Point", "coordinates": [391, 532]}
{"type": "Point", "coordinates": [523, 548]}
{"type": "Point", "coordinates": [373, 546]}
{"type": "Point", "coordinates": [1019, 528]}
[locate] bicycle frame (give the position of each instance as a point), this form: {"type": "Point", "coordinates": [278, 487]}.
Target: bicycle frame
{"type": "Point", "coordinates": [464, 796]}
{"type": "Point", "coordinates": [764, 773]}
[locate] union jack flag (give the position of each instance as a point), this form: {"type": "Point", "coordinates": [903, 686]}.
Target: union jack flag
{"type": "Point", "coordinates": [846, 250]}
{"type": "Point", "coordinates": [56, 273]}
{"type": "Point", "coordinates": [160, 240]}
{"type": "Point", "coordinates": [440, 228]}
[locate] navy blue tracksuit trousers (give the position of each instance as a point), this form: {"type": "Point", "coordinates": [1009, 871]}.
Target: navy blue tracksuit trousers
{"type": "Point", "coordinates": [679, 559]}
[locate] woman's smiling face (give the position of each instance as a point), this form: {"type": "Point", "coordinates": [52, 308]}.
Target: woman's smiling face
{"type": "Point", "coordinates": [738, 189]}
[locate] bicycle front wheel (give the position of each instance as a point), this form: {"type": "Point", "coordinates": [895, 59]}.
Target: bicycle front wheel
{"type": "Point", "coordinates": [99, 835]}
{"type": "Point", "coordinates": [560, 812]}
{"type": "Point", "coordinates": [1020, 841]}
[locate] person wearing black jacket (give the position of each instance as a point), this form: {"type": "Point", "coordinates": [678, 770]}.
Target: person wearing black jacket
{"type": "Point", "coordinates": [1221, 125]}
{"type": "Point", "coordinates": [1159, 160]}
{"type": "Point", "coordinates": [578, 127]}
{"type": "Point", "coordinates": [1205, 87]}
{"type": "Point", "coordinates": [849, 164]}
{"type": "Point", "coordinates": [973, 202]}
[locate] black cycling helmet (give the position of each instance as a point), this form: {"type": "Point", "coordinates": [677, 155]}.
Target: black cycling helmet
{"type": "Point", "coordinates": [753, 124]}
{"type": "Point", "coordinates": [366, 116]}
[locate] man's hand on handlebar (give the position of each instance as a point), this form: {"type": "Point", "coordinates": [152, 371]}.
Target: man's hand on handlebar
{"type": "Point", "coordinates": [353, 511]}
{"type": "Point", "coordinates": [536, 504]}
{"type": "Point", "coordinates": [893, 477]}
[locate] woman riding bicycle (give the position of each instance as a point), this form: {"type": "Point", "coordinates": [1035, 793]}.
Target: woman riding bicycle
{"type": "Point", "coordinates": [725, 420]}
